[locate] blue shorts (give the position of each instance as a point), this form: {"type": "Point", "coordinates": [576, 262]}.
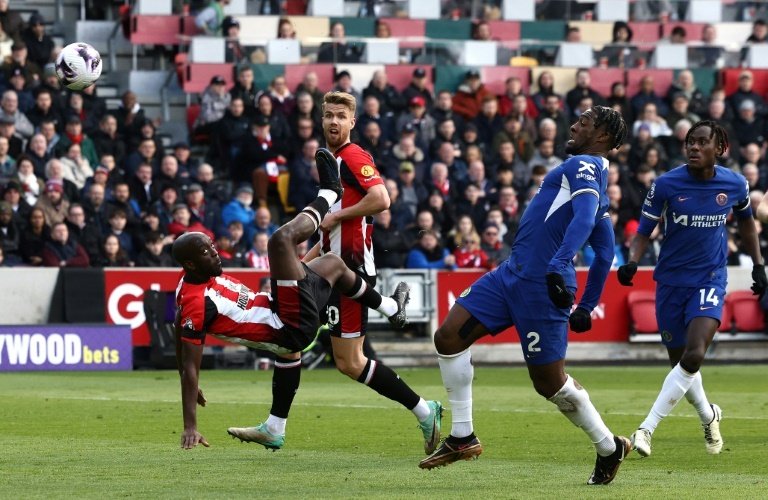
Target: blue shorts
{"type": "Point", "coordinates": [677, 306]}
{"type": "Point", "coordinates": [500, 299]}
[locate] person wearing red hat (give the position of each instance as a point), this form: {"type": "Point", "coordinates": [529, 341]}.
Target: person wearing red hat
{"type": "Point", "coordinates": [53, 203]}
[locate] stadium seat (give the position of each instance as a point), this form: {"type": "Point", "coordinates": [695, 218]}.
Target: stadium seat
{"type": "Point", "coordinates": [670, 56]}
{"type": "Point", "coordinates": [494, 77]}
{"type": "Point", "coordinates": [283, 180]}
{"type": "Point", "coordinates": [518, 10]}
{"type": "Point", "coordinates": [309, 30]}
{"type": "Point", "coordinates": [407, 28]}
{"type": "Point", "coordinates": [603, 78]}
{"type": "Point", "coordinates": [356, 26]}
{"type": "Point", "coordinates": [642, 312]}
{"type": "Point", "coordinates": [283, 51]}
{"type": "Point", "coordinates": [188, 27]}
{"type": "Point", "coordinates": [263, 74]}
{"type": "Point", "coordinates": [692, 30]}
{"type": "Point", "coordinates": [645, 34]}
{"type": "Point", "coordinates": [325, 8]}
{"type": "Point", "coordinates": [595, 33]}
{"type": "Point", "coordinates": [705, 11]}
{"type": "Point", "coordinates": [757, 56]}
{"type": "Point", "coordinates": [726, 321]}
{"type": "Point", "coordinates": [450, 77]}
{"type": "Point", "coordinates": [400, 75]}
{"type": "Point", "coordinates": [155, 30]}
{"type": "Point", "coordinates": [294, 74]}
{"type": "Point", "coordinates": [575, 55]}
{"type": "Point", "coordinates": [505, 30]}
{"type": "Point", "coordinates": [705, 78]}
{"type": "Point", "coordinates": [479, 53]}
{"type": "Point", "coordinates": [423, 9]}
{"type": "Point", "coordinates": [662, 79]}
{"type": "Point", "coordinates": [449, 29]}
{"type": "Point", "coordinates": [747, 314]}
{"type": "Point", "coordinates": [381, 51]}
{"type": "Point", "coordinates": [257, 29]}
{"type": "Point", "coordinates": [565, 78]}
{"type": "Point", "coordinates": [543, 30]}
{"type": "Point", "coordinates": [198, 76]}
{"type": "Point", "coordinates": [361, 73]}
{"type": "Point", "coordinates": [207, 49]}
{"type": "Point", "coordinates": [612, 10]}
{"type": "Point", "coordinates": [733, 35]}
{"type": "Point", "coordinates": [153, 7]}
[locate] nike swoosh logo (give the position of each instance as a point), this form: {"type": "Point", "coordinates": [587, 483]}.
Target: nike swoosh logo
{"type": "Point", "coordinates": [683, 198]}
{"type": "Point", "coordinates": [705, 308]}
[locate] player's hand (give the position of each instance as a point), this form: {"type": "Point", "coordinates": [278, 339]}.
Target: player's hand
{"type": "Point", "coordinates": [580, 320]}
{"type": "Point", "coordinates": [558, 293]}
{"type": "Point", "coordinates": [328, 222]}
{"type": "Point", "coordinates": [626, 273]}
{"type": "Point", "coordinates": [200, 398]}
{"type": "Point", "coordinates": [191, 438]}
{"type": "Point", "coordinates": [759, 281]}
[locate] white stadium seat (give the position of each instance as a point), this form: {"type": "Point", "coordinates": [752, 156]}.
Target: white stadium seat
{"type": "Point", "coordinates": [207, 49]}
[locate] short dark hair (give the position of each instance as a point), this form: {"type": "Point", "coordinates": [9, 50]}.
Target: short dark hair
{"type": "Point", "coordinates": [715, 130]}
{"type": "Point", "coordinates": [614, 123]}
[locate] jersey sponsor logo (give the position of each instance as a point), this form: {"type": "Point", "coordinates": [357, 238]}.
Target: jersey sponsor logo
{"type": "Point", "coordinates": [586, 171]}
{"type": "Point", "coordinates": [367, 171]}
{"type": "Point", "coordinates": [702, 221]}
{"type": "Point", "coordinates": [652, 191]}
{"type": "Point", "coordinates": [466, 291]}
{"type": "Point", "coordinates": [721, 199]}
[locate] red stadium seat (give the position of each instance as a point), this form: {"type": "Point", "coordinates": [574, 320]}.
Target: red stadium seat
{"type": "Point", "coordinates": [644, 34]}
{"type": "Point", "coordinates": [662, 80]}
{"type": "Point", "coordinates": [603, 78]}
{"type": "Point", "coordinates": [400, 75]}
{"type": "Point", "coordinates": [692, 30]}
{"type": "Point", "coordinates": [642, 312]}
{"type": "Point", "coordinates": [155, 30]}
{"type": "Point", "coordinates": [180, 62]}
{"type": "Point", "coordinates": [505, 30]}
{"type": "Point", "coordinates": [729, 80]}
{"type": "Point", "coordinates": [726, 321]}
{"type": "Point", "coordinates": [406, 28]}
{"type": "Point", "coordinates": [494, 77]}
{"type": "Point", "coordinates": [193, 111]}
{"type": "Point", "coordinates": [188, 26]}
{"type": "Point", "coordinates": [294, 74]}
{"type": "Point", "coordinates": [747, 314]}
{"type": "Point", "coordinates": [197, 76]}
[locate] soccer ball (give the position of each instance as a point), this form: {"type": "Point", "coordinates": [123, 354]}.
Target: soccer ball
{"type": "Point", "coordinates": [78, 66]}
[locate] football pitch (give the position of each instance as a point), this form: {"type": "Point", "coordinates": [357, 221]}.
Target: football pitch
{"type": "Point", "coordinates": [106, 435]}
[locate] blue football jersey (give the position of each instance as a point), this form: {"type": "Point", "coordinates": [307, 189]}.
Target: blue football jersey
{"type": "Point", "coordinates": [544, 222]}
{"type": "Point", "coordinates": [693, 214]}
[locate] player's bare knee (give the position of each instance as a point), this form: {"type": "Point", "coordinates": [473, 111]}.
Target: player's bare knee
{"type": "Point", "coordinates": [281, 240]}
{"type": "Point", "coordinates": [350, 367]}
{"type": "Point", "coordinates": [447, 342]}
{"type": "Point", "coordinates": [692, 360]}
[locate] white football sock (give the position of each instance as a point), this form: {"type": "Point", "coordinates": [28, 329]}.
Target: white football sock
{"type": "Point", "coordinates": [421, 410]}
{"type": "Point", "coordinates": [677, 383]}
{"type": "Point", "coordinates": [457, 372]}
{"type": "Point", "coordinates": [330, 196]}
{"type": "Point", "coordinates": [573, 402]}
{"type": "Point", "coordinates": [276, 425]}
{"type": "Point", "coordinates": [698, 398]}
{"type": "Point", "coordinates": [388, 306]}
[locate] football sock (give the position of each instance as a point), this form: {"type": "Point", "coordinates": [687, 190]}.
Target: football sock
{"type": "Point", "coordinates": [286, 377]}
{"type": "Point", "coordinates": [698, 398]}
{"type": "Point", "coordinates": [457, 372]}
{"type": "Point", "coordinates": [573, 402]}
{"type": "Point", "coordinates": [328, 195]}
{"type": "Point", "coordinates": [316, 210]}
{"type": "Point", "coordinates": [383, 380]}
{"type": "Point", "coordinates": [368, 296]}
{"type": "Point", "coordinates": [421, 410]}
{"type": "Point", "coordinates": [276, 425]}
{"type": "Point", "coordinates": [677, 383]}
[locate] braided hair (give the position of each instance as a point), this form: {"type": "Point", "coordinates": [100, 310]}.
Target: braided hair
{"type": "Point", "coordinates": [614, 124]}
{"type": "Point", "coordinates": [715, 130]}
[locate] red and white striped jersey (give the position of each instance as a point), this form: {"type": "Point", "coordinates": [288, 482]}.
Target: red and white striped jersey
{"type": "Point", "coordinates": [226, 308]}
{"type": "Point", "coordinates": [351, 239]}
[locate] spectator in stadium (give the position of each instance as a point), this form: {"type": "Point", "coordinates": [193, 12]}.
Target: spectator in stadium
{"type": "Point", "coordinates": [303, 181]}
{"type": "Point", "coordinates": [48, 130]}
{"type": "Point", "coordinates": [582, 89]}
{"type": "Point", "coordinates": [278, 127]}
{"type": "Point", "coordinates": [470, 142]}
{"type": "Point", "coordinates": [759, 35]}
{"type": "Point", "coordinates": [470, 95]}
{"type": "Point", "coordinates": [129, 115]}
{"type": "Point", "coordinates": [285, 29]}
{"type": "Point", "coordinates": [107, 140]}
{"type": "Point", "coordinates": [144, 189]}
{"type": "Point", "coordinates": [96, 207]}
{"type": "Point", "coordinates": [9, 108]}
{"type": "Point", "coordinates": [718, 111]}
{"type": "Point", "coordinates": [391, 101]}
{"type": "Point", "coordinates": [10, 20]}
{"type": "Point", "coordinates": [471, 210]}
{"type": "Point", "coordinates": [513, 86]}
{"type": "Point", "coordinates": [488, 122]}
{"type": "Point", "coordinates": [412, 193]}
{"type": "Point", "coordinates": [283, 100]}
{"type": "Point", "coordinates": [23, 92]}
{"type": "Point", "coordinates": [680, 110]}
{"type": "Point", "coordinates": [686, 85]}
{"type": "Point", "coordinates": [76, 167]}
{"type": "Point", "coordinates": [214, 189]}
{"type": "Point", "coordinates": [234, 52]}
{"type": "Point", "coordinates": [374, 144]}
{"type": "Point", "coordinates": [573, 34]}
{"type": "Point", "coordinates": [154, 253]}
{"type": "Point", "coordinates": [170, 173]}
{"type": "Point", "coordinates": [146, 153]}
{"type": "Point", "coordinates": [73, 134]}
{"type": "Point", "coordinates": [708, 54]}
{"type": "Point", "coordinates": [211, 18]}
{"type": "Point", "coordinates": [206, 212]}
{"type": "Point", "coordinates": [117, 225]}
{"type": "Point", "coordinates": [76, 107]}
{"type": "Point", "coordinates": [261, 159]}
{"type": "Point", "coordinates": [419, 87]}
{"type": "Point", "coordinates": [26, 180]}
{"type": "Point", "coordinates": [239, 209]}
{"type": "Point", "coordinates": [647, 95]}
{"type": "Point", "coordinates": [521, 140]}
{"type": "Point", "coordinates": [19, 60]}
{"type": "Point", "coordinates": [8, 130]}
{"type": "Point", "coordinates": [33, 238]}
{"type": "Point", "coordinates": [428, 253]}
{"type": "Point", "coordinates": [481, 30]}
{"type": "Point", "coordinates": [445, 132]}
{"type": "Point", "coordinates": [257, 257]}
{"type": "Point", "coordinates": [372, 113]}
{"type": "Point", "coordinates": [649, 117]}
{"type": "Point", "coordinates": [183, 155]}
{"type": "Point", "coordinates": [752, 174]}
{"type": "Point", "coordinates": [306, 109]}
{"type": "Point", "coordinates": [61, 250]}
{"type": "Point", "coordinates": [163, 207]}
{"type": "Point", "coordinates": [43, 109]}
{"type": "Point", "coordinates": [94, 107]}
{"type": "Point", "coordinates": [493, 246]}
{"type": "Point", "coordinates": [10, 236]}
{"type": "Point", "coordinates": [690, 321]}
{"type": "Point", "coordinates": [231, 132]}
{"type": "Point", "coordinates": [53, 203]}
{"type": "Point", "coordinates": [7, 164]}
{"type": "Point", "coordinates": [749, 125]}
{"type": "Point", "coordinates": [213, 104]}
{"type": "Point", "coordinates": [182, 223]}
{"type": "Point", "coordinates": [309, 84]}
{"type": "Point", "coordinates": [12, 195]}
{"type": "Point", "coordinates": [382, 29]}
{"type": "Point", "coordinates": [546, 87]}
{"type": "Point", "coordinates": [343, 83]}
{"type": "Point", "coordinates": [88, 234]}
{"type": "Point", "coordinates": [443, 110]}
{"type": "Point", "coordinates": [420, 122]}
{"type": "Point", "coordinates": [245, 89]}
{"type": "Point", "coordinates": [37, 153]}
{"type": "Point", "coordinates": [469, 255]}
{"type": "Point", "coordinates": [339, 50]}
{"type": "Point", "coordinates": [263, 222]}
{"type": "Point", "coordinates": [674, 145]}
{"type": "Point", "coordinates": [112, 254]}
{"type": "Point", "coordinates": [508, 159]}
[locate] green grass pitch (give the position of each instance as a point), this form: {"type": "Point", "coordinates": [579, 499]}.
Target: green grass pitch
{"type": "Point", "coordinates": [107, 435]}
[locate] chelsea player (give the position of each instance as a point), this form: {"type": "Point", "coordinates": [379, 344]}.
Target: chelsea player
{"type": "Point", "coordinates": [534, 291]}
{"type": "Point", "coordinates": [692, 202]}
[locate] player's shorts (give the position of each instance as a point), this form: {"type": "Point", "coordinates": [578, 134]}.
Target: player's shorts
{"type": "Point", "coordinates": [677, 306]}
{"type": "Point", "coordinates": [297, 303]}
{"type": "Point", "coordinates": [348, 318]}
{"type": "Point", "coordinates": [500, 299]}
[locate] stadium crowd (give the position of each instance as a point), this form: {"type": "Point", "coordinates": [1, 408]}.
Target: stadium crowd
{"type": "Point", "coordinates": [86, 186]}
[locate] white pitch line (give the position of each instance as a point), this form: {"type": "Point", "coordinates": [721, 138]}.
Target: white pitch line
{"type": "Point", "coordinates": [370, 407]}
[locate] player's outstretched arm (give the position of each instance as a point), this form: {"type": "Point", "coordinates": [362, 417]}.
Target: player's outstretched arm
{"type": "Point", "coordinates": [602, 242]}
{"type": "Point", "coordinates": [191, 357]}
